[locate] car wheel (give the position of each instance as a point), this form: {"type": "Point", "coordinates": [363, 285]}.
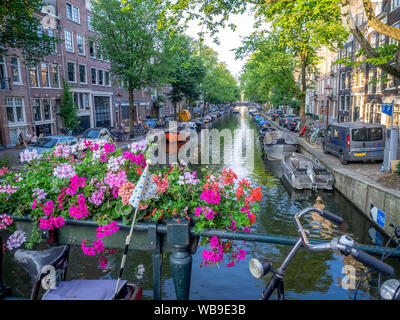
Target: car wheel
{"type": "Point", "coordinates": [342, 159]}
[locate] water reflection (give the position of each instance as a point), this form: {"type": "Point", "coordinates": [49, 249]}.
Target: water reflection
{"type": "Point", "coordinates": [310, 275]}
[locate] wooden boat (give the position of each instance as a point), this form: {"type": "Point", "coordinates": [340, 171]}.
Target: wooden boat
{"type": "Point", "coordinates": [276, 143]}
{"type": "Point", "coordinates": [302, 172]}
{"type": "Point", "coordinates": [175, 141]}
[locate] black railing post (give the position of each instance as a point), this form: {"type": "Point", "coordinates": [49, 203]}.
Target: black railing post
{"type": "Point", "coordinates": [178, 235]}
{"type": "Point", "coordinates": [155, 243]}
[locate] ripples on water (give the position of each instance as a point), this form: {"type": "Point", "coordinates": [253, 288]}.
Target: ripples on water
{"type": "Point", "coordinates": [309, 276]}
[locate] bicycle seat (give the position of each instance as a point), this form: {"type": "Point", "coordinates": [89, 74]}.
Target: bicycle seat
{"type": "Point", "coordinates": [33, 261]}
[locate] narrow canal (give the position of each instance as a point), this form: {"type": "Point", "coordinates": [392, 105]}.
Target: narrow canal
{"type": "Point", "coordinates": [310, 275]}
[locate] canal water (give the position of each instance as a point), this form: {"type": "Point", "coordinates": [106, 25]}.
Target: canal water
{"type": "Point", "coordinates": [309, 276]}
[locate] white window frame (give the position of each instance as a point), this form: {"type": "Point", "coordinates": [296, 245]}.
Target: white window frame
{"type": "Point", "coordinates": [90, 26]}
{"type": "Point", "coordinates": [78, 35]}
{"type": "Point", "coordinates": [79, 71]}
{"type": "Point", "coordinates": [42, 110]}
{"type": "Point", "coordinates": [48, 75]}
{"type": "Point", "coordinates": [15, 123]}
{"type": "Point", "coordinates": [71, 17]}
{"type": "Point", "coordinates": [75, 78]}
{"type": "Point", "coordinates": [91, 75]}
{"type": "Point", "coordinates": [37, 76]}
{"type": "Point", "coordinates": [370, 88]}
{"type": "Point", "coordinates": [52, 33]}
{"type": "Point", "coordinates": [69, 40]}
{"type": "Point", "coordinates": [18, 65]}
{"type": "Point", "coordinates": [51, 75]}
{"type": "Point", "coordinates": [98, 77]}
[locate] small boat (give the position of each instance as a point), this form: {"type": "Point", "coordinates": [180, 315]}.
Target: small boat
{"type": "Point", "coordinates": [236, 111]}
{"type": "Point", "coordinates": [207, 119]}
{"type": "Point", "coordinates": [175, 141]}
{"type": "Point", "coordinates": [276, 143]}
{"type": "Point", "coordinates": [302, 172]}
{"type": "Point", "coordinates": [265, 130]}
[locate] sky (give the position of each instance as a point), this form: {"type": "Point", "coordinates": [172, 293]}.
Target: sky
{"type": "Point", "coordinates": [229, 40]}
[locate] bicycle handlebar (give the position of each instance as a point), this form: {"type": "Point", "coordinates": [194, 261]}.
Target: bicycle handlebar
{"type": "Point", "coordinates": [345, 244]}
{"type": "Point", "coordinates": [372, 262]}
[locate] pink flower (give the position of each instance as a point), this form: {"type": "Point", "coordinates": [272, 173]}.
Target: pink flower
{"type": "Point", "coordinates": [211, 196]}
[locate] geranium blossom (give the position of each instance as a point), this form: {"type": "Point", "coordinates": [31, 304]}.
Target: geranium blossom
{"type": "Point", "coordinates": [28, 156]}
{"type": "Point", "coordinates": [139, 146]}
{"type": "Point", "coordinates": [64, 170]}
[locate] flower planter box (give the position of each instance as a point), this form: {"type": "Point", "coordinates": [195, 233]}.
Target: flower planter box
{"type": "Point", "coordinates": [74, 231]}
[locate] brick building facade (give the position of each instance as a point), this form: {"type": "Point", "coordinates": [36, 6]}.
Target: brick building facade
{"type": "Point", "coordinates": [31, 96]}
{"type": "Point", "coordinates": [358, 92]}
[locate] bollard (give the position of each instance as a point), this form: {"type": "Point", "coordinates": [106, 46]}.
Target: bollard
{"type": "Point", "coordinates": [178, 235]}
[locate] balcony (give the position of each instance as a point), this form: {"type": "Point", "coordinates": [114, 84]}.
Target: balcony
{"type": "Point", "coordinates": [5, 84]}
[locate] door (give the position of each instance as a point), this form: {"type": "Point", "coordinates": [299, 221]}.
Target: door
{"type": "Point", "coordinates": [102, 111]}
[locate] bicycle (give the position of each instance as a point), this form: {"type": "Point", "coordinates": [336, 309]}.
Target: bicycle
{"type": "Point", "coordinates": [344, 245]}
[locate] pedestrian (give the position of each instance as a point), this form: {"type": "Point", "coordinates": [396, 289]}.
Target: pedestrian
{"type": "Point", "coordinates": [21, 140]}
{"type": "Point", "coordinates": [28, 137]}
{"type": "Point", "coordinates": [34, 138]}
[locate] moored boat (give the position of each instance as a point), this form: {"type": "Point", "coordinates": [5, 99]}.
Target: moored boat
{"type": "Point", "coordinates": [302, 172]}
{"type": "Point", "coordinates": [276, 143]}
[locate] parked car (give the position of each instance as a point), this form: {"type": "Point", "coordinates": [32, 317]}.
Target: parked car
{"type": "Point", "coordinates": [353, 141]}
{"type": "Point", "coordinates": [284, 121]}
{"type": "Point", "coordinates": [292, 124]}
{"type": "Point", "coordinates": [47, 143]}
{"type": "Point", "coordinates": [276, 114]}
{"type": "Point", "coordinates": [97, 134]}
{"type": "Point", "coordinates": [207, 119]}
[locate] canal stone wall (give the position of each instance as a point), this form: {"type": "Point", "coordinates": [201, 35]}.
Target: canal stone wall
{"type": "Point", "coordinates": [363, 193]}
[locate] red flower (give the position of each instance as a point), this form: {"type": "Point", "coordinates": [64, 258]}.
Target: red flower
{"type": "Point", "coordinates": [244, 182]}
{"type": "Point", "coordinates": [255, 195]}
{"type": "Point", "coordinates": [239, 192]}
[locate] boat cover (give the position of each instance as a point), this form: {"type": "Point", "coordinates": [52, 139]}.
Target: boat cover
{"type": "Point", "coordinates": [84, 290]}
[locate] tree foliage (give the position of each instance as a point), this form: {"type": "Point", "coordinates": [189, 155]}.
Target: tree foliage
{"type": "Point", "coordinates": [69, 111]}
{"type": "Point", "coordinates": [138, 51]}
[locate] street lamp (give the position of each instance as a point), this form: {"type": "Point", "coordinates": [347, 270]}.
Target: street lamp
{"type": "Point", "coordinates": [328, 91]}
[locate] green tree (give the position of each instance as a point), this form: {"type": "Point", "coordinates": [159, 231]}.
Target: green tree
{"type": "Point", "coordinates": [69, 111]}
{"type": "Point", "coordinates": [269, 74]}
{"type": "Point", "coordinates": [20, 28]}
{"type": "Point", "coordinates": [187, 73]}
{"type": "Point", "coordinates": [129, 35]}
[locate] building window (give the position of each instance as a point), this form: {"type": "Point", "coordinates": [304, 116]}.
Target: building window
{"type": "Point", "coordinates": [55, 79]}
{"type": "Point", "coordinates": [44, 74]}
{"type": "Point", "coordinates": [379, 80]}
{"type": "Point", "coordinates": [37, 115]}
{"type": "Point", "coordinates": [82, 74]}
{"type": "Point", "coordinates": [15, 71]}
{"type": "Point", "coordinates": [71, 72]}
{"type": "Point", "coordinates": [98, 51]}
{"type": "Point", "coordinates": [89, 22]}
{"type": "Point", "coordinates": [33, 76]}
{"type": "Point", "coordinates": [107, 76]}
{"type": "Point", "coordinates": [348, 79]}
{"type": "Point", "coordinates": [101, 77]}
{"type": "Point", "coordinates": [93, 70]}
{"type": "Point", "coordinates": [370, 83]}
{"type": "Point", "coordinates": [395, 4]}
{"type": "Point", "coordinates": [46, 109]}
{"type": "Point", "coordinates": [15, 110]}
{"type": "Point", "coordinates": [91, 48]}
{"type": "Point", "coordinates": [69, 41]}
{"type": "Point", "coordinates": [51, 33]}
{"type": "Point", "coordinates": [347, 103]}
{"type": "Point", "coordinates": [342, 81]}
{"type": "Point", "coordinates": [72, 13]}
{"type": "Point", "coordinates": [81, 100]}
{"type": "Point", "coordinates": [342, 103]}
{"type": "Point", "coordinates": [80, 43]}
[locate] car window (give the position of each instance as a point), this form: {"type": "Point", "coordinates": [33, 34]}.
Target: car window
{"type": "Point", "coordinates": [62, 141]}
{"type": "Point", "coordinates": [92, 133]}
{"type": "Point", "coordinates": [367, 134]}
{"type": "Point", "coordinates": [45, 143]}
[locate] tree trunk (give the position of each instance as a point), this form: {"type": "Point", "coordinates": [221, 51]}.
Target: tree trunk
{"type": "Point", "coordinates": [131, 111]}
{"type": "Point", "coordinates": [393, 70]}
{"type": "Point", "coordinates": [175, 104]}
{"type": "Point", "coordinates": [303, 89]}
{"type": "Point", "coordinates": [378, 25]}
